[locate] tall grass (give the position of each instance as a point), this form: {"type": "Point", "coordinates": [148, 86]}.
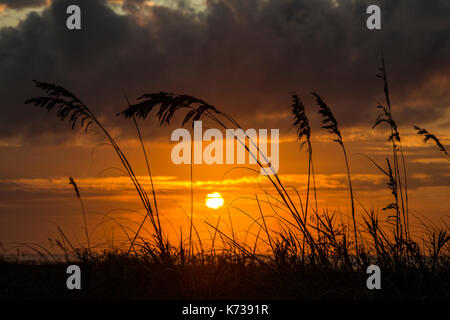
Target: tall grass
{"type": "Point", "coordinates": [168, 104]}
{"type": "Point", "coordinates": [399, 166]}
{"type": "Point", "coordinates": [307, 237]}
{"type": "Point", "coordinates": [71, 108]}
{"type": "Point", "coordinates": [301, 122]}
{"type": "Point", "coordinates": [77, 192]}
{"type": "Point", "coordinates": [155, 202]}
{"type": "Point", "coordinates": [428, 136]}
{"type": "Point", "coordinates": [330, 123]}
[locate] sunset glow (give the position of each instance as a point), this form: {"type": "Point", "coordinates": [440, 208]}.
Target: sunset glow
{"type": "Point", "coordinates": [214, 200]}
{"type": "Point", "coordinates": [224, 150]}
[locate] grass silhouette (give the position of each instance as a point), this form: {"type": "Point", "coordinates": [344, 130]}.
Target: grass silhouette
{"type": "Point", "coordinates": [330, 123]}
{"type": "Point", "coordinates": [428, 136]}
{"type": "Point", "coordinates": [312, 256]}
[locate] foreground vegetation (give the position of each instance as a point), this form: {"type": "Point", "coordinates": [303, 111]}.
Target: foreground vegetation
{"type": "Point", "coordinates": [115, 276]}
{"type": "Point", "coordinates": [313, 255]}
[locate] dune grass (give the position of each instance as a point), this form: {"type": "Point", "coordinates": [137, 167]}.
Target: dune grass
{"type": "Point", "coordinates": [313, 255]}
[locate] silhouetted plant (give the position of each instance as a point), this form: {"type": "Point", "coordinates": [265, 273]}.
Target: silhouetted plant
{"type": "Point", "coordinates": [402, 184]}
{"type": "Point", "coordinates": [77, 192]}
{"type": "Point", "coordinates": [150, 177]}
{"type": "Point", "coordinates": [392, 185]}
{"type": "Point", "coordinates": [170, 103]}
{"type": "Point", "coordinates": [330, 249]}
{"type": "Point", "coordinates": [301, 123]}
{"type": "Point", "coordinates": [69, 107]}
{"type": "Point", "coordinates": [428, 136]}
{"type": "Point", "coordinates": [330, 123]}
{"type": "Point", "coordinates": [438, 240]}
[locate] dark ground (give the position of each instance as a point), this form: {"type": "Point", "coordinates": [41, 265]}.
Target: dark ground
{"type": "Point", "coordinates": [123, 278]}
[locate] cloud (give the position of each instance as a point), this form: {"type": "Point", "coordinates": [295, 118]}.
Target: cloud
{"type": "Point", "coordinates": [21, 4]}
{"type": "Point", "coordinates": [243, 56]}
{"type": "Point", "coordinates": [133, 5]}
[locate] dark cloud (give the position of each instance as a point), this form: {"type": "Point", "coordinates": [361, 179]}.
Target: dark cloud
{"type": "Point", "coordinates": [244, 56]}
{"type": "Point", "coordinates": [20, 4]}
{"type": "Point", "coordinates": [132, 5]}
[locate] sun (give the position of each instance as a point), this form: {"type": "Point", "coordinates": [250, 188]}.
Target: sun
{"type": "Point", "coordinates": [214, 200]}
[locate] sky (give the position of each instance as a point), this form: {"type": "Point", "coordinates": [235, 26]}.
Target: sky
{"type": "Point", "coordinates": [245, 57]}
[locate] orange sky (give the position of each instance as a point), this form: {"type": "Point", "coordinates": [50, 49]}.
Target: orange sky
{"type": "Point", "coordinates": [244, 60]}
{"type": "Point", "coordinates": [33, 207]}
